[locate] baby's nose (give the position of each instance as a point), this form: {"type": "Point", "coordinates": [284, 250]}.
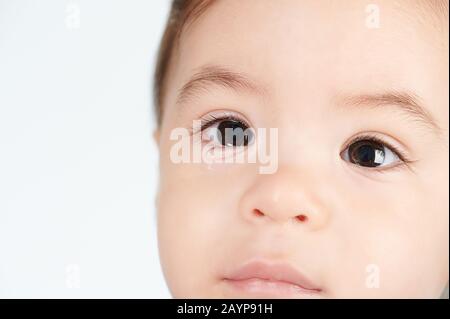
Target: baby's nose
{"type": "Point", "coordinates": [283, 197]}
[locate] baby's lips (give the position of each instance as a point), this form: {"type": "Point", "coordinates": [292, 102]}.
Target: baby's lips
{"type": "Point", "coordinates": [273, 271]}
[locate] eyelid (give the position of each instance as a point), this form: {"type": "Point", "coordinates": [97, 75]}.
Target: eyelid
{"type": "Point", "coordinates": [383, 169]}
{"type": "Point", "coordinates": [214, 117]}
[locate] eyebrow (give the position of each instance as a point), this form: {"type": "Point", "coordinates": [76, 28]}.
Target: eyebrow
{"type": "Point", "coordinates": [408, 103]}
{"type": "Point", "coordinates": [221, 76]}
{"type": "Point", "coordinates": [213, 75]}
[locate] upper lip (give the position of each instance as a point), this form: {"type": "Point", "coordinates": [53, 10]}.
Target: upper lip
{"type": "Point", "coordinates": [273, 271]}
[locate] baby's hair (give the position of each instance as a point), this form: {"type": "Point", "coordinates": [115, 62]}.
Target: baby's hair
{"type": "Point", "coordinates": [184, 12]}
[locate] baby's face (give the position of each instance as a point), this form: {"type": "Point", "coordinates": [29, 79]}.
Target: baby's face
{"type": "Point", "coordinates": [357, 219]}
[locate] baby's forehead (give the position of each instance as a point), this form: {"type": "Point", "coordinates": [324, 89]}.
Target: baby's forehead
{"type": "Point", "coordinates": [430, 18]}
{"type": "Point", "coordinates": [300, 46]}
{"type": "Point", "coordinates": [435, 10]}
{"type": "Point", "coordinates": [316, 35]}
{"type": "Point", "coordinates": [427, 18]}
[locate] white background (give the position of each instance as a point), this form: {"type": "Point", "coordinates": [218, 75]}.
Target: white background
{"type": "Point", "coordinates": [78, 167]}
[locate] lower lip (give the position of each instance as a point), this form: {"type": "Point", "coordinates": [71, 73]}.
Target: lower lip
{"type": "Point", "coordinates": [257, 287]}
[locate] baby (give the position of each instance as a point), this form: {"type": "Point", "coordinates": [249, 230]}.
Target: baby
{"type": "Point", "coordinates": [349, 102]}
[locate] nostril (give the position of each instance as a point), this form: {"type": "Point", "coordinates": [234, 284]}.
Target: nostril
{"type": "Point", "coordinates": [257, 212]}
{"type": "Point", "coordinates": [302, 218]}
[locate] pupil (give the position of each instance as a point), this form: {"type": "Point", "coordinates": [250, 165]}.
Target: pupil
{"type": "Point", "coordinates": [366, 153]}
{"type": "Point", "coordinates": [232, 133]}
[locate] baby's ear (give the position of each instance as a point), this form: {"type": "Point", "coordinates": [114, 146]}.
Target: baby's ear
{"type": "Point", "coordinates": [156, 135]}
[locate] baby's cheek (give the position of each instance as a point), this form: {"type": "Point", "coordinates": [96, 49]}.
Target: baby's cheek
{"type": "Point", "coordinates": [396, 246]}
{"type": "Point", "coordinates": [381, 241]}
{"type": "Point", "coordinates": [192, 222]}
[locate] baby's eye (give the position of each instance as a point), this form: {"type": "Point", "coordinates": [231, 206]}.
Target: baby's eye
{"type": "Point", "coordinates": [370, 153]}
{"type": "Point", "coordinates": [228, 133]}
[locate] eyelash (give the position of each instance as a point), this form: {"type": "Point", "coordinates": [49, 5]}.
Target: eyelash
{"type": "Point", "coordinates": [211, 119]}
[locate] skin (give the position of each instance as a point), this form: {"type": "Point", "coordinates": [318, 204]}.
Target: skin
{"type": "Point", "coordinates": [395, 219]}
